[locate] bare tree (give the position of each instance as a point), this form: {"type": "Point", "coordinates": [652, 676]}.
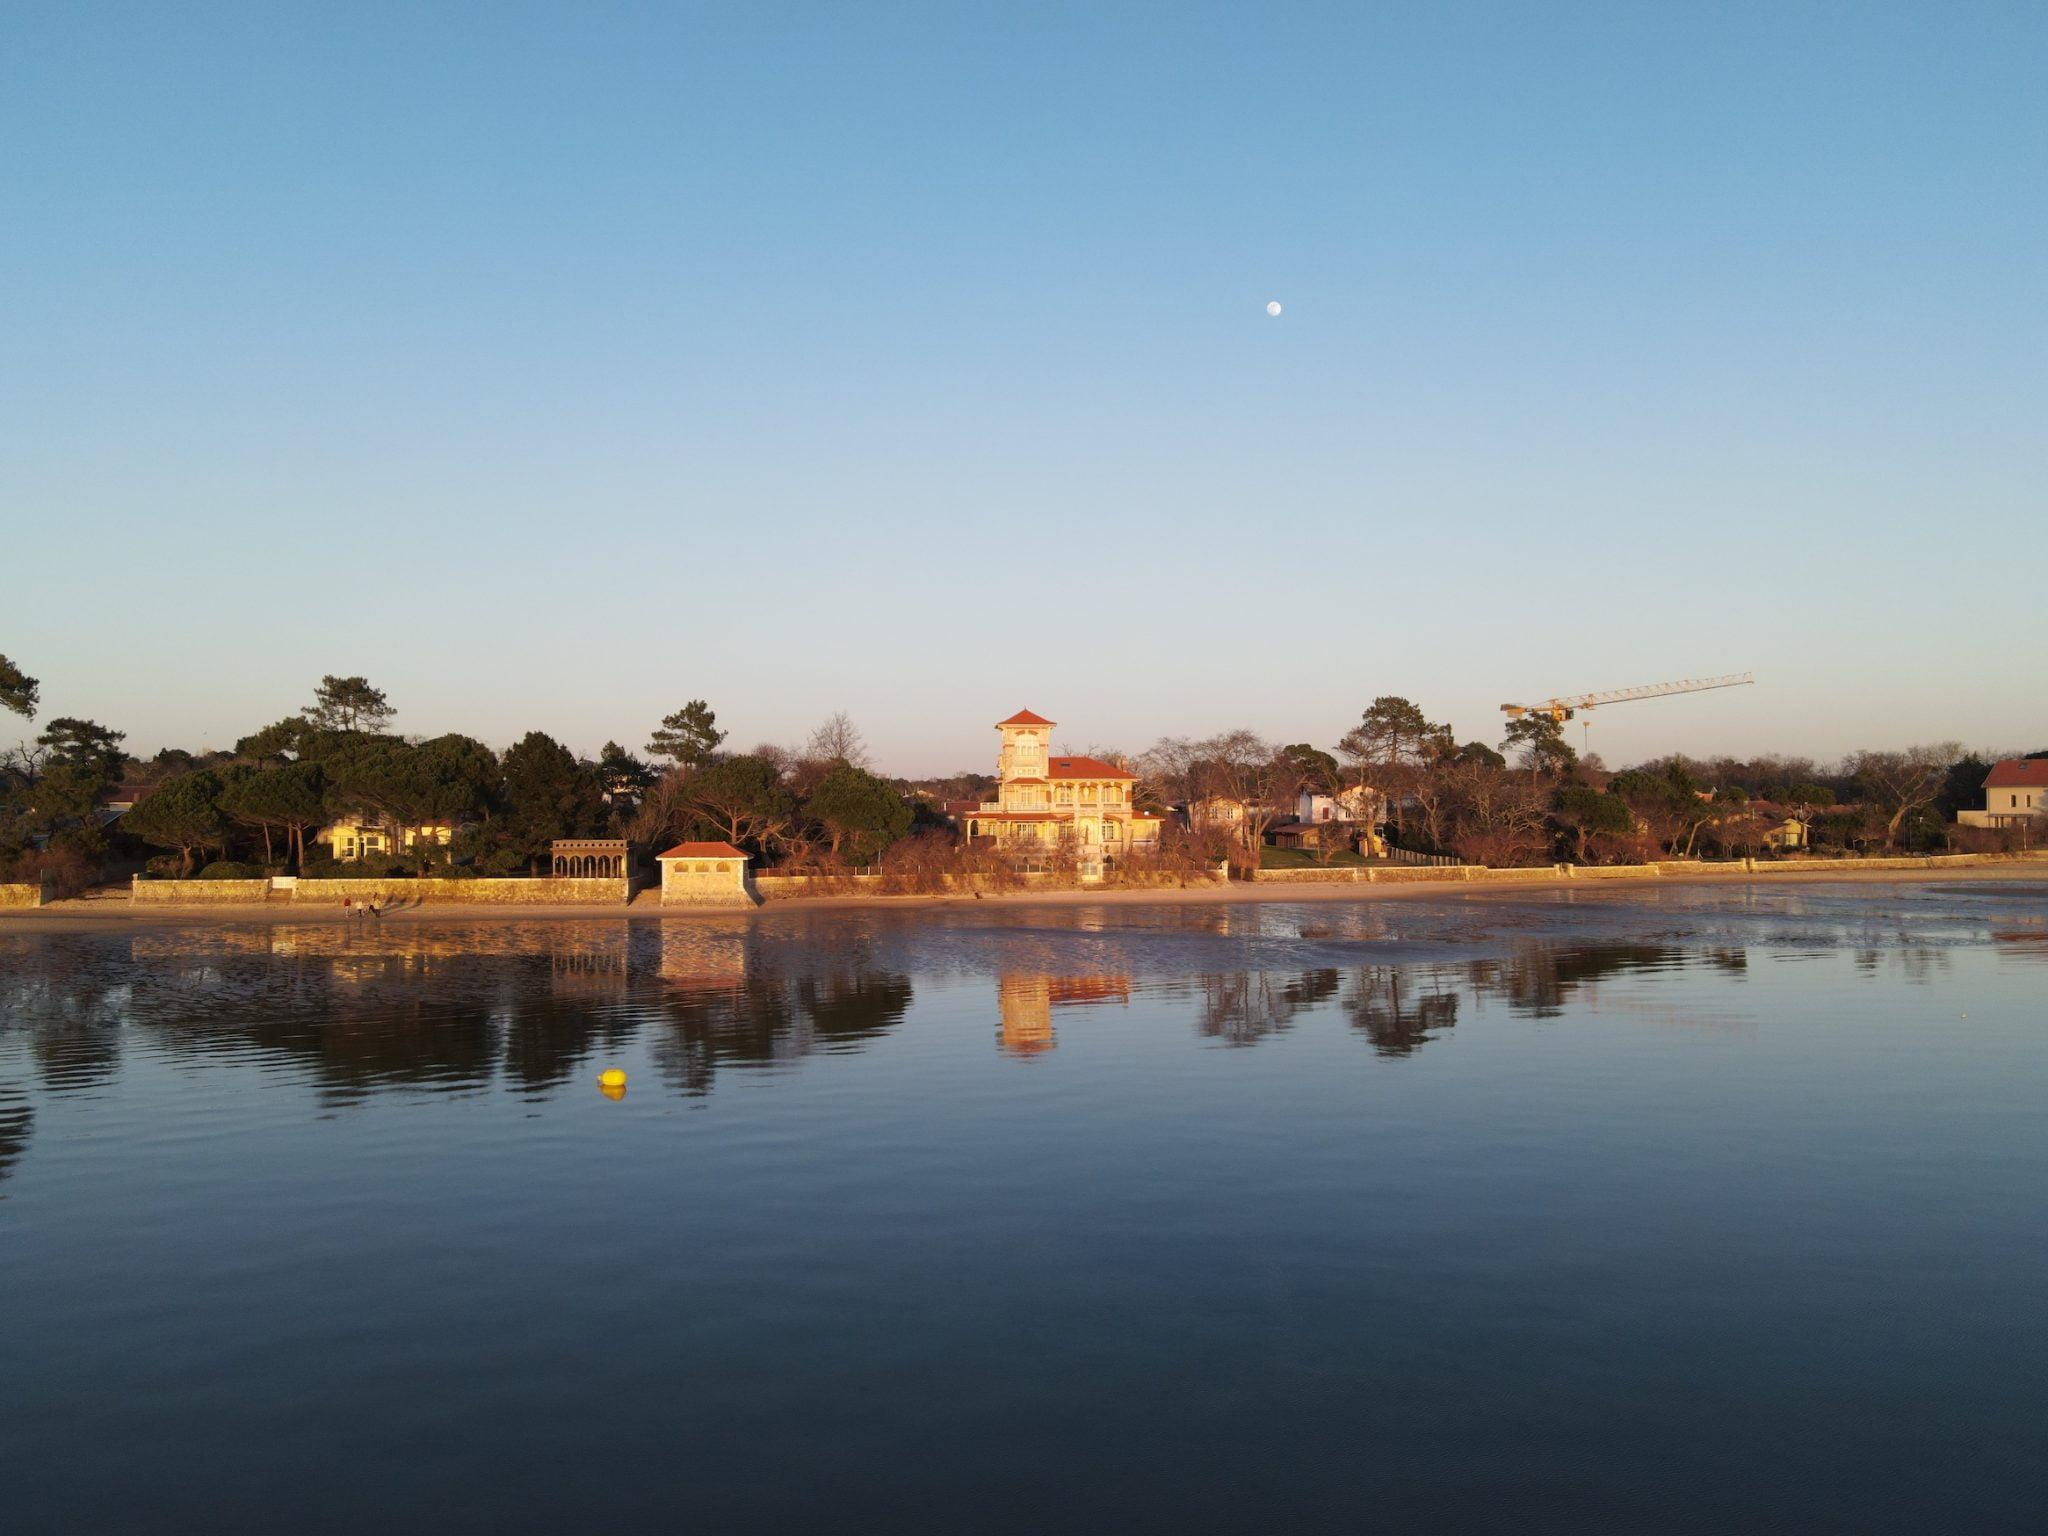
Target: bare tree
{"type": "Point", "coordinates": [838, 740]}
{"type": "Point", "coordinates": [1169, 769]}
{"type": "Point", "coordinates": [1241, 768]}
{"type": "Point", "coordinates": [1905, 781]}
{"type": "Point", "coordinates": [1497, 816]}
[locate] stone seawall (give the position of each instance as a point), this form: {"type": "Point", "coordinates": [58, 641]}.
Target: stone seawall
{"type": "Point", "coordinates": [406, 893]}
{"type": "Point", "coordinates": [1373, 874]}
{"type": "Point", "coordinates": [192, 893]}
{"type": "Point", "coordinates": [1399, 874]}
{"type": "Point", "coordinates": [783, 887]}
{"type": "Point", "coordinates": [23, 893]}
{"type": "Point", "coordinates": [480, 892]}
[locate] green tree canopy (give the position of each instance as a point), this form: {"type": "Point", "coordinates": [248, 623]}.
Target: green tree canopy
{"type": "Point", "coordinates": [861, 814]}
{"type": "Point", "coordinates": [18, 691]}
{"type": "Point", "coordinates": [348, 704]}
{"type": "Point", "coordinates": [1962, 788]}
{"type": "Point", "coordinates": [743, 800]}
{"type": "Point", "coordinates": [1541, 742]}
{"type": "Point", "coordinates": [1315, 768]}
{"type": "Point", "coordinates": [547, 794]}
{"type": "Point", "coordinates": [274, 743]}
{"type": "Point", "coordinates": [1584, 811]}
{"type": "Point", "coordinates": [450, 778]}
{"type": "Point", "coordinates": [85, 761]}
{"type": "Point", "coordinates": [182, 814]}
{"type": "Point", "coordinates": [1477, 754]}
{"type": "Point", "coordinates": [689, 736]}
{"type": "Point", "coordinates": [624, 776]}
{"type": "Point", "coordinates": [1394, 734]}
{"type": "Point", "coordinates": [289, 800]}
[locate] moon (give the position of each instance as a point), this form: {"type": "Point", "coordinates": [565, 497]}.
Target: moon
{"type": "Point", "coordinates": [1273, 307]}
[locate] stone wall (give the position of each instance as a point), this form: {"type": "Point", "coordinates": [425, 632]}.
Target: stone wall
{"type": "Point", "coordinates": [769, 887]}
{"type": "Point", "coordinates": [1369, 874]}
{"type": "Point", "coordinates": [305, 892]}
{"type": "Point", "coordinates": [22, 893]}
{"type": "Point", "coordinates": [782, 887]}
{"type": "Point", "coordinates": [189, 893]}
{"type": "Point", "coordinates": [479, 892]}
{"type": "Point", "coordinates": [1397, 874]}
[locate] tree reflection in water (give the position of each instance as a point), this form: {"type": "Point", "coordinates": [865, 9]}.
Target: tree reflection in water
{"type": "Point", "coordinates": [17, 1121]}
{"type": "Point", "coordinates": [771, 1022]}
{"type": "Point", "coordinates": [1397, 1010]}
{"type": "Point", "coordinates": [72, 1005]}
{"type": "Point", "coordinates": [1538, 981]}
{"type": "Point", "coordinates": [1243, 1007]}
{"type": "Point", "coordinates": [529, 1006]}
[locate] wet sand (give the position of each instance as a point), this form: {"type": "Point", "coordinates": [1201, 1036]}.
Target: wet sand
{"type": "Point", "coordinates": [98, 915]}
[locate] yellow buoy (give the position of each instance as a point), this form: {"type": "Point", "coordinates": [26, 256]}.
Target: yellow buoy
{"type": "Point", "coordinates": [612, 1083]}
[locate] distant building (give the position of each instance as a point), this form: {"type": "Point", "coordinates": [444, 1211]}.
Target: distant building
{"type": "Point", "coordinates": [352, 839]}
{"type": "Point", "coordinates": [708, 874]}
{"type": "Point", "coordinates": [1049, 803]}
{"type": "Point", "coordinates": [585, 858]}
{"type": "Point", "coordinates": [1786, 836]}
{"type": "Point", "coordinates": [2015, 791]}
{"type": "Point", "coordinates": [1213, 812]}
{"type": "Point", "coordinates": [1357, 803]}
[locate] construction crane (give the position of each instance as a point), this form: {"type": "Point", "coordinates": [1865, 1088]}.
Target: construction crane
{"type": "Point", "coordinates": [1563, 709]}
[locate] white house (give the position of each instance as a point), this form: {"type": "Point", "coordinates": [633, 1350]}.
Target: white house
{"type": "Point", "coordinates": [705, 874]}
{"type": "Point", "coordinates": [2015, 791]}
{"type": "Point", "coordinates": [1357, 803]}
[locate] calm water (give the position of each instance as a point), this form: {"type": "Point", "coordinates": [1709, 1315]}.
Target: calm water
{"type": "Point", "coordinates": [1678, 1210]}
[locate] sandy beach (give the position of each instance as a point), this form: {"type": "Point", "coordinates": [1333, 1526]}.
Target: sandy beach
{"type": "Point", "coordinates": [99, 914]}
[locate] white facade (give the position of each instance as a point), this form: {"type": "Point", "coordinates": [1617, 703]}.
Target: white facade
{"type": "Point", "coordinates": [2015, 791]}
{"type": "Point", "coordinates": [1355, 804]}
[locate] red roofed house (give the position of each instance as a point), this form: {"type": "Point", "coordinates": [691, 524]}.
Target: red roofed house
{"type": "Point", "coordinates": [1046, 802]}
{"type": "Point", "coordinates": [702, 874]}
{"type": "Point", "coordinates": [2015, 791]}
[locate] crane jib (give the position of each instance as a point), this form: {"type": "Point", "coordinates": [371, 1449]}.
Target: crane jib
{"type": "Point", "coordinates": [1564, 708]}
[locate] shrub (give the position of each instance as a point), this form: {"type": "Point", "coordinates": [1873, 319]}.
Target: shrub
{"type": "Point", "coordinates": [68, 870]}
{"type": "Point", "coordinates": [230, 869]}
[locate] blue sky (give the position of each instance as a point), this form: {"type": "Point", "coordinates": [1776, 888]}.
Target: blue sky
{"type": "Point", "coordinates": [554, 365]}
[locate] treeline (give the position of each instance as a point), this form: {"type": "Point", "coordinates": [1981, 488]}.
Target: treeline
{"type": "Point", "coordinates": [1532, 799]}
{"type": "Point", "coordinates": [256, 809]}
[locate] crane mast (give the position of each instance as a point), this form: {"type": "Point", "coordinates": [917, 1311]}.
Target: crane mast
{"type": "Point", "coordinates": [1562, 709]}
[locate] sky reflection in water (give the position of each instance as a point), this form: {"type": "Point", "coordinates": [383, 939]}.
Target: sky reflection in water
{"type": "Point", "coordinates": [1675, 1208]}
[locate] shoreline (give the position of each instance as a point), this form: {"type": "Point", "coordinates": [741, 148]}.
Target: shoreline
{"type": "Point", "coordinates": [80, 915]}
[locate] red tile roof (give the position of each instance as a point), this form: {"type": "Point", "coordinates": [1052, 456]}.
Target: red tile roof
{"type": "Point", "coordinates": [2019, 773]}
{"type": "Point", "coordinates": [1087, 768]}
{"type": "Point", "coordinates": [1025, 717]}
{"type": "Point", "coordinates": [702, 851]}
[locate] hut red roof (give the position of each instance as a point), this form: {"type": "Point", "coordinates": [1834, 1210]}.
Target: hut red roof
{"type": "Point", "coordinates": [1025, 717]}
{"type": "Point", "coordinates": [702, 851]}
